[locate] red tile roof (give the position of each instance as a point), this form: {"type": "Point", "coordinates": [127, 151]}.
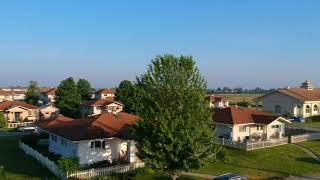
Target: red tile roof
{"type": "Point", "coordinates": [105, 125]}
{"type": "Point", "coordinates": [48, 91]}
{"type": "Point", "coordinates": [4, 105]}
{"type": "Point", "coordinates": [301, 94]}
{"type": "Point", "coordinates": [101, 102]}
{"type": "Point", "coordinates": [242, 115]}
{"type": "Point", "coordinates": [106, 91]}
{"type": "Point", "coordinates": [5, 93]}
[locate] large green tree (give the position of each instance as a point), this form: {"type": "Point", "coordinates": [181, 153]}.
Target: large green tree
{"type": "Point", "coordinates": [175, 133]}
{"type": "Point", "coordinates": [126, 93]}
{"type": "Point", "coordinates": [33, 93]}
{"type": "Point", "coordinates": [68, 98]}
{"type": "Point", "coordinates": [3, 122]}
{"type": "Point", "coordinates": [85, 89]}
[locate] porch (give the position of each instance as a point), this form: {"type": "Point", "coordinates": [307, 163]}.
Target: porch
{"type": "Point", "coordinates": [15, 124]}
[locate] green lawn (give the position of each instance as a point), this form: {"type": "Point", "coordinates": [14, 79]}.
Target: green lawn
{"type": "Point", "coordinates": [17, 165]}
{"type": "Point", "coordinates": [312, 145]}
{"type": "Point", "coordinates": [266, 163]}
{"type": "Point", "coordinates": [307, 124]}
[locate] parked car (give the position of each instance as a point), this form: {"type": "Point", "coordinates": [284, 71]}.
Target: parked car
{"type": "Point", "coordinates": [230, 176]}
{"type": "Point", "coordinates": [29, 128]}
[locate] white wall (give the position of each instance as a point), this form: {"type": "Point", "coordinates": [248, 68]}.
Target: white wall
{"type": "Point", "coordinates": [68, 149]}
{"type": "Point", "coordinates": [286, 103]}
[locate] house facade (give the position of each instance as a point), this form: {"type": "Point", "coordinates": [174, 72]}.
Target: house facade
{"type": "Point", "coordinates": [217, 101]}
{"type": "Point", "coordinates": [299, 102]}
{"type": "Point", "coordinates": [47, 112]}
{"type": "Point", "coordinates": [104, 137]}
{"type": "Point", "coordinates": [47, 95]}
{"type": "Point", "coordinates": [98, 106]}
{"type": "Point", "coordinates": [105, 93]}
{"type": "Point", "coordinates": [245, 124]}
{"type": "Point", "coordinates": [13, 93]}
{"type": "Point", "coordinates": [19, 113]}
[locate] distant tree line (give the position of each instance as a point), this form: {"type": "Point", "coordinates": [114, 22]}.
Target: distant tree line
{"type": "Point", "coordinates": [227, 90]}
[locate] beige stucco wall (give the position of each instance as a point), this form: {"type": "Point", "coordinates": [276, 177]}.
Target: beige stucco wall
{"type": "Point", "coordinates": [30, 114]}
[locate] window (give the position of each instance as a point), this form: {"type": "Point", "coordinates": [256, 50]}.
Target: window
{"type": "Point", "coordinates": [276, 126]}
{"type": "Point", "coordinates": [277, 109]}
{"type": "Point", "coordinates": [308, 109]}
{"type": "Point", "coordinates": [97, 145]}
{"type": "Point", "coordinates": [315, 108]}
{"type": "Point", "coordinates": [242, 128]}
{"type": "Point", "coordinates": [259, 127]}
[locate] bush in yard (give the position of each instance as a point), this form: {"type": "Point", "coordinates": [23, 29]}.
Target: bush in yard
{"type": "Point", "coordinates": [313, 119]}
{"type": "Point", "coordinates": [243, 104]}
{"type": "Point", "coordinates": [30, 140]}
{"type": "Point", "coordinates": [69, 164]}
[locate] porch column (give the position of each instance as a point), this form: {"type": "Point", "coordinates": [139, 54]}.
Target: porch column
{"type": "Point", "coordinates": [131, 154]}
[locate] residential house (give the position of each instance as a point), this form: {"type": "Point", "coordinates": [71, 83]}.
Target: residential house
{"type": "Point", "coordinates": [104, 137]}
{"type": "Point", "coordinates": [18, 113]}
{"type": "Point", "coordinates": [246, 124]}
{"type": "Point", "coordinates": [217, 101]}
{"type": "Point", "coordinates": [47, 95]}
{"type": "Point", "coordinates": [104, 93]}
{"type": "Point", "coordinates": [47, 112]}
{"type": "Point", "coordinates": [299, 102]}
{"type": "Point", "coordinates": [13, 93]}
{"type": "Point", "coordinates": [98, 106]}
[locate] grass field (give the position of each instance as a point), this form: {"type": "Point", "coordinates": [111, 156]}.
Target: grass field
{"type": "Point", "coordinates": [266, 163]}
{"type": "Point", "coordinates": [277, 161]}
{"type": "Point", "coordinates": [19, 166]}
{"type": "Point", "coordinates": [312, 145]}
{"type": "Point", "coordinates": [317, 124]}
{"type": "Point", "coordinates": [234, 98]}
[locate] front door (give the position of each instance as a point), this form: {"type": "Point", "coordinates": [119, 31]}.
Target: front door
{"type": "Point", "coordinates": [17, 116]}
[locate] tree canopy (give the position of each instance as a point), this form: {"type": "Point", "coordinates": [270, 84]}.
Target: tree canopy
{"type": "Point", "coordinates": [175, 133]}
{"type": "Point", "coordinates": [32, 95]}
{"type": "Point", "coordinates": [68, 98]}
{"type": "Point", "coordinates": [126, 93]}
{"type": "Point", "coordinates": [85, 89]}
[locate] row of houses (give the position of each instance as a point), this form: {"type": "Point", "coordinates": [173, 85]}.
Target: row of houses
{"type": "Point", "coordinates": [103, 135]}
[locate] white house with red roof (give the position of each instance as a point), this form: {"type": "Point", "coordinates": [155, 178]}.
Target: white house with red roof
{"type": "Point", "coordinates": [299, 102]}
{"type": "Point", "coordinates": [104, 137]}
{"type": "Point", "coordinates": [99, 106]}
{"type": "Point", "coordinates": [47, 95]}
{"type": "Point", "coordinates": [246, 124]}
{"type": "Point", "coordinates": [216, 101]}
{"type": "Point", "coordinates": [104, 93]}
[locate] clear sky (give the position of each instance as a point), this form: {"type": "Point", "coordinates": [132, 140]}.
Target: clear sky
{"type": "Point", "coordinates": [236, 43]}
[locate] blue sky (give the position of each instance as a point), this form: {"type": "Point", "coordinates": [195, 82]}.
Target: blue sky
{"type": "Point", "coordinates": [237, 43]}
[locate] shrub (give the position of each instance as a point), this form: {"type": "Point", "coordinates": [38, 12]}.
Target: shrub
{"type": "Point", "coordinates": [287, 115]}
{"type": "Point", "coordinates": [69, 164]}
{"type": "Point", "coordinates": [30, 140]}
{"type": "Point", "coordinates": [243, 104]}
{"type": "Point", "coordinates": [315, 118]}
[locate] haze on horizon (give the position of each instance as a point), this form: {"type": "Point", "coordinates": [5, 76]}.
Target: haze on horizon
{"type": "Point", "coordinates": [246, 44]}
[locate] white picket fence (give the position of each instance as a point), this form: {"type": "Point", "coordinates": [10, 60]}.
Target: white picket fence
{"type": "Point", "coordinates": [265, 144]}
{"type": "Point", "coordinates": [103, 172]}
{"type": "Point", "coordinates": [304, 137]}
{"type": "Point", "coordinates": [253, 145]}
{"type": "Point", "coordinates": [52, 167]}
